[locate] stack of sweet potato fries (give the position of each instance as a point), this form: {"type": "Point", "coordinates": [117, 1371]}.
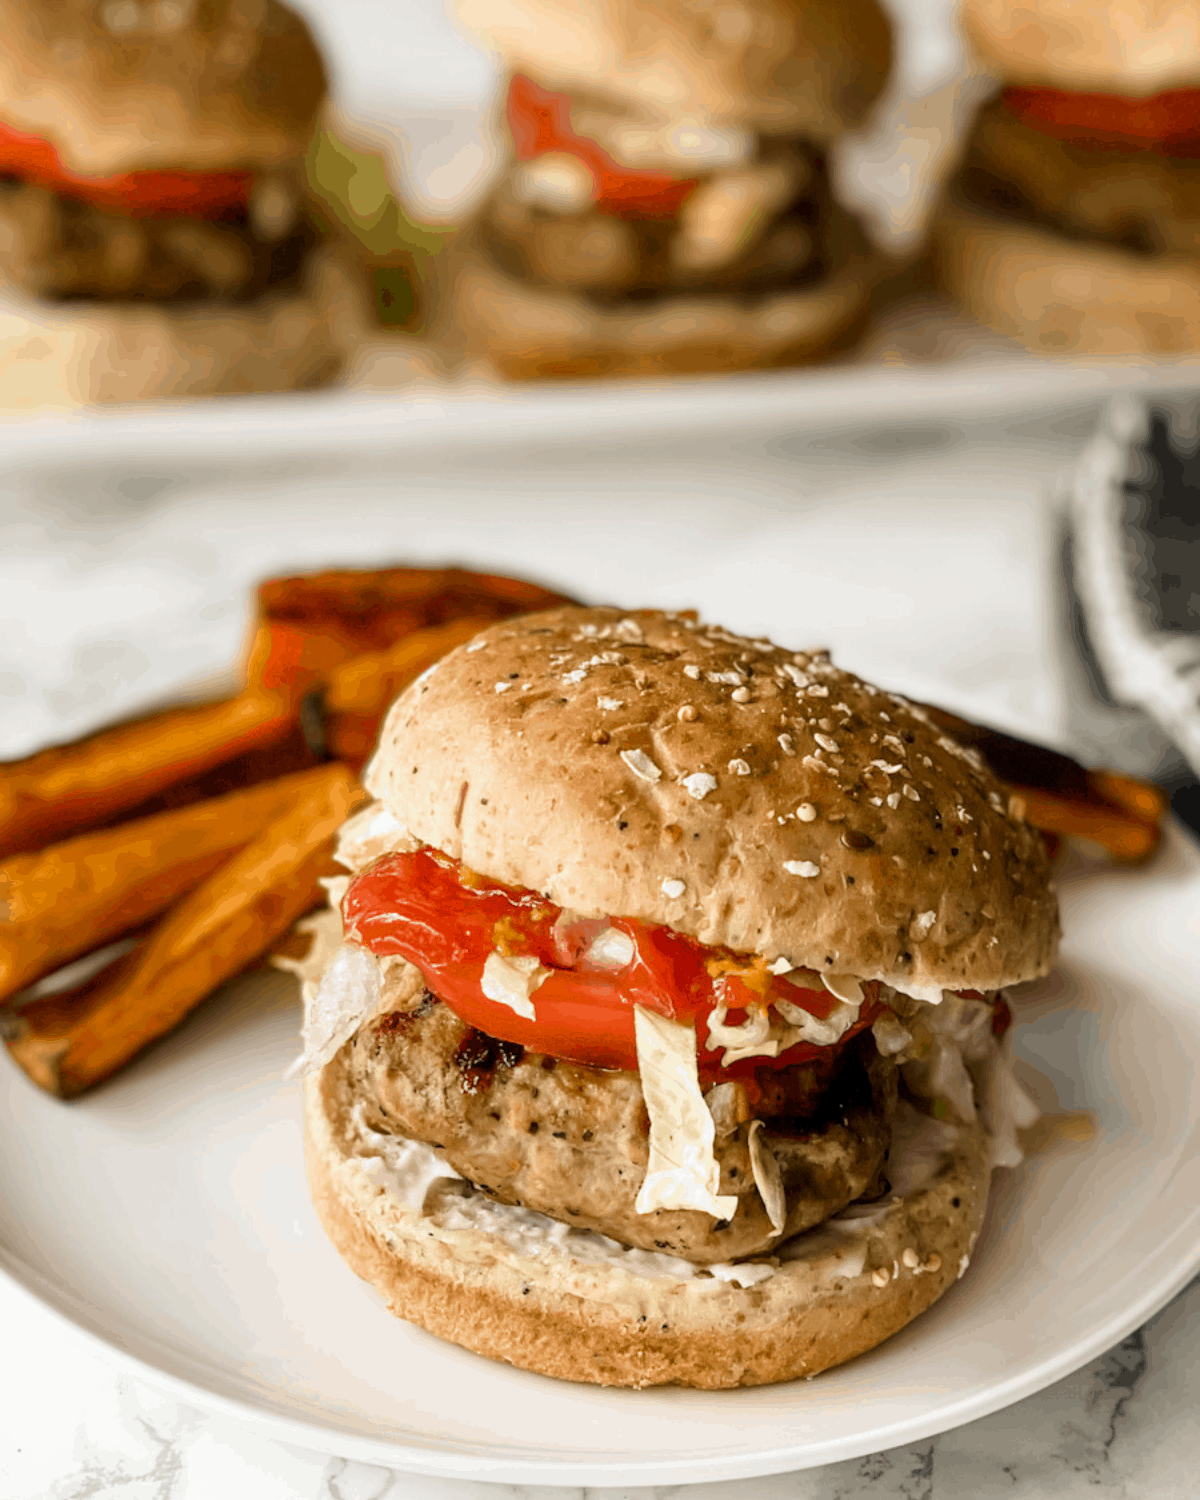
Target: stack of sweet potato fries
{"type": "Point", "coordinates": [201, 834]}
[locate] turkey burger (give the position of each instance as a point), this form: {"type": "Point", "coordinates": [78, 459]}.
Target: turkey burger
{"type": "Point", "coordinates": [1072, 225]}
{"type": "Point", "coordinates": [156, 237]}
{"type": "Point", "coordinates": [668, 206]}
{"type": "Point", "coordinates": [656, 1033]}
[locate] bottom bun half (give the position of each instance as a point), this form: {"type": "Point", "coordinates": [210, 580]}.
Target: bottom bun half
{"type": "Point", "coordinates": [532, 333]}
{"type": "Point", "coordinates": [831, 1294]}
{"type": "Point", "coordinates": [1065, 296]}
{"type": "Point", "coordinates": [56, 355]}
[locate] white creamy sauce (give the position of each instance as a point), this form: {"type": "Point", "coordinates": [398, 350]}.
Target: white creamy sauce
{"type": "Point", "coordinates": [531, 1233]}
{"type": "Point", "coordinates": [839, 1247]}
{"type": "Point", "coordinates": [408, 1169]}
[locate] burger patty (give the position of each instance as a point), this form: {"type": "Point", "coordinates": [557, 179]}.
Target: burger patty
{"type": "Point", "coordinates": [749, 249]}
{"type": "Point", "coordinates": [572, 1141]}
{"type": "Point", "coordinates": [1141, 201]}
{"type": "Point", "coordinates": [62, 248]}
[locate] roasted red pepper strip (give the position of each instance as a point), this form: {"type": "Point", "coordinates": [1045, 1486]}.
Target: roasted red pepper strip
{"type": "Point", "coordinates": [1168, 123]}
{"type": "Point", "coordinates": [199, 195]}
{"type": "Point", "coordinates": [448, 922]}
{"type": "Point", "coordinates": [540, 121]}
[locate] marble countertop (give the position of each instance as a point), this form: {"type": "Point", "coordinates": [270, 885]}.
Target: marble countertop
{"type": "Point", "coordinates": [126, 578]}
{"type": "Point", "coordinates": [75, 1428]}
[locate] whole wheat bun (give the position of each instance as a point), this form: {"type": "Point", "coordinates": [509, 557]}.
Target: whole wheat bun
{"type": "Point", "coordinates": [596, 1322]}
{"type": "Point", "coordinates": [1134, 47]}
{"type": "Point", "coordinates": [786, 67]}
{"type": "Point", "coordinates": [60, 355]}
{"type": "Point", "coordinates": [1066, 296]}
{"type": "Point", "coordinates": [645, 765]}
{"type": "Point", "coordinates": [183, 85]}
{"type": "Point", "coordinates": [528, 333]}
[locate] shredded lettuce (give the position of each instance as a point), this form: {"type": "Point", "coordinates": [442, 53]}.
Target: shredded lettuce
{"type": "Point", "coordinates": [728, 1105]}
{"type": "Point", "coordinates": [368, 834]}
{"type": "Point", "coordinates": [890, 1033]}
{"type": "Point", "coordinates": [844, 987]}
{"type": "Point", "coordinates": [820, 1031]}
{"type": "Point", "coordinates": [954, 1063]}
{"type": "Point", "coordinates": [767, 1177]}
{"type": "Point", "coordinates": [682, 1171]}
{"type": "Point", "coordinates": [324, 930]}
{"type": "Point", "coordinates": [511, 980]}
{"type": "Point", "coordinates": [612, 949]}
{"type": "Point", "coordinates": [349, 993]}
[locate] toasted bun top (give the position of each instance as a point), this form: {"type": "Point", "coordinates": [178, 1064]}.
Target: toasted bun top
{"type": "Point", "coordinates": [787, 66]}
{"type": "Point", "coordinates": [646, 765]}
{"type": "Point", "coordinates": [1134, 47]}
{"type": "Point", "coordinates": [189, 85]}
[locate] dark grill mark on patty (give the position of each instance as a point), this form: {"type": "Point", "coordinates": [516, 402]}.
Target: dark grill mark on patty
{"type": "Point", "coordinates": [477, 1057]}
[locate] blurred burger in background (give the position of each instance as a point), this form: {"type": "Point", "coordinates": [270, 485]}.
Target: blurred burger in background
{"type": "Point", "coordinates": [667, 206]}
{"type": "Point", "coordinates": [155, 234]}
{"type": "Point", "coordinates": [1072, 225]}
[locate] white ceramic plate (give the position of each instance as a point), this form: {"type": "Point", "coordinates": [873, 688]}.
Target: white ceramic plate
{"type": "Point", "coordinates": [167, 1216]}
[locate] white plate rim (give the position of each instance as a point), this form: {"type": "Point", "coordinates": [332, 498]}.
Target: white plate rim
{"type": "Point", "coordinates": [781, 1460]}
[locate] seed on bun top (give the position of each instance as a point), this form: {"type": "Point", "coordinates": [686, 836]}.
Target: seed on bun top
{"type": "Point", "coordinates": [137, 85]}
{"type": "Point", "coordinates": [1134, 47]}
{"type": "Point", "coordinates": [644, 764]}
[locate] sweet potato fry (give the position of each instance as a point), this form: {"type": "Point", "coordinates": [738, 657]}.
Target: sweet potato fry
{"type": "Point", "coordinates": [74, 897]}
{"type": "Point", "coordinates": [309, 624]}
{"type": "Point", "coordinates": [68, 1043]}
{"type": "Point", "coordinates": [360, 692]}
{"type": "Point", "coordinates": [283, 757]}
{"type": "Point", "coordinates": [1014, 760]}
{"type": "Point", "coordinates": [1127, 838]}
{"type": "Point", "coordinates": [370, 610]}
{"type": "Point", "coordinates": [1140, 798]}
{"type": "Point", "coordinates": [70, 788]}
{"type": "Point", "coordinates": [1062, 798]}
